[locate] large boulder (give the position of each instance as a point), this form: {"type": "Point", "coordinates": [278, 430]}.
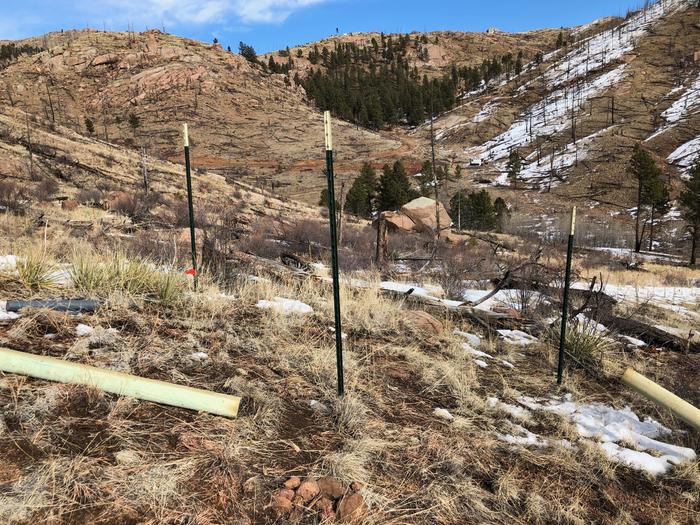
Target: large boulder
{"type": "Point", "coordinates": [422, 212]}
{"type": "Point", "coordinates": [398, 221]}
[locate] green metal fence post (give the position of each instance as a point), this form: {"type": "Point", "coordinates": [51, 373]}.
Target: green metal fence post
{"type": "Point", "coordinates": [565, 305]}
{"type": "Point", "coordinates": [188, 172]}
{"type": "Point", "coordinates": [334, 251]}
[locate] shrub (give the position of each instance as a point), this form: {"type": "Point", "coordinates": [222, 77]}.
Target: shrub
{"type": "Point", "coordinates": [90, 197]}
{"type": "Point", "coordinates": [45, 190]}
{"type": "Point", "coordinates": [12, 198]}
{"type": "Point", "coordinates": [584, 343]}
{"type": "Point", "coordinates": [105, 274]}
{"type": "Point", "coordinates": [35, 270]}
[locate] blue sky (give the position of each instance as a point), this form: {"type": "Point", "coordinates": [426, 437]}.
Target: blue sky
{"type": "Point", "coordinates": [274, 24]}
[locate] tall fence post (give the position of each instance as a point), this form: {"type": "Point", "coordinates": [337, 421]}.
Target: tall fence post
{"type": "Point", "coordinates": [190, 205]}
{"type": "Point", "coordinates": [334, 251]}
{"type": "Point", "coordinates": [565, 302]}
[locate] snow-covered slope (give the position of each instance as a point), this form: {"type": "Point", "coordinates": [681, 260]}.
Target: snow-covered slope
{"type": "Point", "coordinates": [609, 46]}
{"type": "Point", "coordinates": [685, 155]}
{"type": "Point", "coordinates": [551, 115]}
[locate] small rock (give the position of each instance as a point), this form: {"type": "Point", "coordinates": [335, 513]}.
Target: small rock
{"type": "Point", "coordinates": [443, 414]}
{"type": "Point", "coordinates": [282, 506]}
{"type": "Point", "coordinates": [356, 486]}
{"type": "Point", "coordinates": [287, 493]}
{"type": "Point", "coordinates": [330, 488]}
{"type": "Point", "coordinates": [319, 407]}
{"type": "Point", "coordinates": [127, 457]}
{"type": "Point", "coordinates": [423, 321]}
{"type": "Point", "coordinates": [292, 483]}
{"type": "Point", "coordinates": [352, 508]}
{"type": "Point", "coordinates": [308, 490]}
{"type": "Point", "coordinates": [325, 507]}
{"type": "Point", "coordinates": [199, 356]}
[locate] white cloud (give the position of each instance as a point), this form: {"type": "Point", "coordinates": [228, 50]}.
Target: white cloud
{"type": "Point", "coordinates": [269, 11]}
{"type": "Point", "coordinates": [155, 11]}
{"type": "Point", "coordinates": [206, 11]}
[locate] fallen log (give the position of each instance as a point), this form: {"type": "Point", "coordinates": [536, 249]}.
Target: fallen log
{"type": "Point", "coordinates": [649, 334]}
{"type": "Point", "coordinates": [51, 369]}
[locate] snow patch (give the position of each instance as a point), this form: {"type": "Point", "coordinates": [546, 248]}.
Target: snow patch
{"type": "Point", "coordinates": [547, 117]}
{"type": "Point", "coordinates": [285, 306]}
{"type": "Point", "coordinates": [443, 414]}
{"type": "Point", "coordinates": [8, 263]}
{"type": "Point", "coordinates": [473, 340]}
{"type": "Point", "coordinates": [516, 337]}
{"type": "Point", "coordinates": [611, 427]}
{"type": "Point", "coordinates": [82, 330]}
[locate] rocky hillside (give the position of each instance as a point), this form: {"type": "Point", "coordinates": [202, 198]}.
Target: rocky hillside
{"type": "Point", "coordinates": [136, 89]}
{"type": "Point", "coordinates": [433, 53]}
{"type": "Point", "coordinates": [576, 116]}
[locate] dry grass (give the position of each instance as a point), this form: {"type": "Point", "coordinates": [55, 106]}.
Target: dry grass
{"type": "Point", "coordinates": [84, 456]}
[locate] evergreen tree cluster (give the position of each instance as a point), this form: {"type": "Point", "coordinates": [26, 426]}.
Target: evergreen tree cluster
{"type": "Point", "coordinates": [11, 51]}
{"type": "Point", "coordinates": [375, 85]}
{"type": "Point", "coordinates": [378, 96]}
{"type": "Point", "coordinates": [281, 68]}
{"type": "Point", "coordinates": [370, 194]}
{"type": "Point", "coordinates": [476, 211]}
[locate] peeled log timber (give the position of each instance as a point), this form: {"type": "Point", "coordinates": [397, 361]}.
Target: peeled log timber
{"type": "Point", "coordinates": [52, 369]}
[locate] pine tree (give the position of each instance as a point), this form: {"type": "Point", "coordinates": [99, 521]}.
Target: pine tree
{"type": "Point", "coordinates": [519, 63]}
{"type": "Point", "coordinates": [655, 195]}
{"type": "Point", "coordinates": [323, 199]}
{"type": "Point", "coordinates": [394, 188]}
{"type": "Point", "coordinates": [360, 198]}
{"type": "Point", "coordinates": [502, 214]}
{"type": "Point", "coordinates": [475, 210]}
{"type": "Point", "coordinates": [644, 169]}
{"type": "Point", "coordinates": [560, 40]}
{"type": "Point", "coordinates": [247, 52]}
{"type": "Point", "coordinates": [690, 207]}
{"type": "Point", "coordinates": [515, 164]}
{"type": "Point", "coordinates": [89, 125]}
{"type": "Point", "coordinates": [134, 122]}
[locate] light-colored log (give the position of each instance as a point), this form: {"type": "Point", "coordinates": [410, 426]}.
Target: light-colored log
{"type": "Point", "coordinates": [52, 369]}
{"type": "Point", "coordinates": [662, 397]}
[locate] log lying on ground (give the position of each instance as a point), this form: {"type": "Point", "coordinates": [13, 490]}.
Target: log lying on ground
{"type": "Point", "coordinates": [51, 369]}
{"type": "Point", "coordinates": [600, 306]}
{"type": "Point", "coordinates": [662, 397]}
{"type": "Point", "coordinates": [487, 319]}
{"type": "Point", "coordinates": [649, 334]}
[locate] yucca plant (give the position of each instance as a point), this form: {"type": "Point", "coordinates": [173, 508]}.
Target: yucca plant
{"type": "Point", "coordinates": [34, 270]}
{"type": "Point", "coordinates": [585, 343]}
{"type": "Point", "coordinates": [103, 275]}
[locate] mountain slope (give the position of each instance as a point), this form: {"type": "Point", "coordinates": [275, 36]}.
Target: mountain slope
{"type": "Point", "coordinates": [239, 117]}
{"type": "Point", "coordinates": [576, 117]}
